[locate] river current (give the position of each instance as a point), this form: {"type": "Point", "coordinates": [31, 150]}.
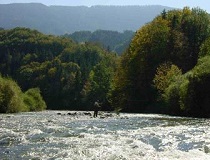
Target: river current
{"type": "Point", "coordinates": [77, 136]}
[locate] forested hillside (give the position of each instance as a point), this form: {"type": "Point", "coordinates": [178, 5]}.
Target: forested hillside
{"type": "Point", "coordinates": [59, 20]}
{"type": "Point", "coordinates": [110, 40]}
{"type": "Point", "coordinates": [69, 75]}
{"type": "Point", "coordinates": [166, 68]}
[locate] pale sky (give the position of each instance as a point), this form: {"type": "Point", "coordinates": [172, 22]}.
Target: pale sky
{"type": "Point", "coordinates": [203, 4]}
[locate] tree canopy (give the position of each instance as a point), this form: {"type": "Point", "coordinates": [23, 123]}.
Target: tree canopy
{"type": "Point", "coordinates": [165, 69]}
{"type": "Point", "coordinates": [173, 37]}
{"type": "Point", "coordinates": [60, 67]}
{"type": "Point", "coordinates": [109, 40]}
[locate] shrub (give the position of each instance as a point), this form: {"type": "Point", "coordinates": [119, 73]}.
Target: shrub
{"type": "Point", "coordinates": [190, 93]}
{"type": "Point", "coordinates": [11, 98]}
{"type": "Point", "coordinates": [197, 97]}
{"type": "Point", "coordinates": [166, 74]}
{"type": "Point", "coordinates": [171, 97]}
{"type": "Point", "coordinates": [34, 100]}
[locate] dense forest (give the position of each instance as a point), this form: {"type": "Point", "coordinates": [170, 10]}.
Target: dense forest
{"type": "Point", "coordinates": [111, 40]}
{"type": "Point", "coordinates": [165, 69]}
{"type": "Point", "coordinates": [69, 75]}
{"type": "Point", "coordinates": [59, 20]}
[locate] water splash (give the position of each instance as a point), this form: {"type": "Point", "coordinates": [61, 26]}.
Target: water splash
{"type": "Point", "coordinates": [48, 135]}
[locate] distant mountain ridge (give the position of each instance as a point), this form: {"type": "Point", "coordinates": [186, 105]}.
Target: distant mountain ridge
{"type": "Point", "coordinates": [68, 19]}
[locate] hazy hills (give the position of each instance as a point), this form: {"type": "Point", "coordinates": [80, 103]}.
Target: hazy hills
{"type": "Point", "coordinates": [66, 19]}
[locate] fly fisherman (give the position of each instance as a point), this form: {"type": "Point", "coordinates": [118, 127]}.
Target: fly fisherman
{"type": "Point", "coordinates": [96, 108]}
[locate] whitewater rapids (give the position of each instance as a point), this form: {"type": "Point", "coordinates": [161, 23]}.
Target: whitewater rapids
{"type": "Point", "coordinates": [73, 135]}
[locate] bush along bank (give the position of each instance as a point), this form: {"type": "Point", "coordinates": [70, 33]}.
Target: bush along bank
{"type": "Point", "coordinates": [13, 100]}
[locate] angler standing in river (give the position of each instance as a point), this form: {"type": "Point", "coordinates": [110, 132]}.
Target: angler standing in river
{"type": "Point", "coordinates": [96, 108]}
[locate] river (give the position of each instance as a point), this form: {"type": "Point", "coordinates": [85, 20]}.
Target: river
{"type": "Point", "coordinates": [71, 135]}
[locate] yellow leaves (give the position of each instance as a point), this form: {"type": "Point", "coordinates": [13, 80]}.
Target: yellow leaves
{"type": "Point", "coordinates": [187, 11]}
{"type": "Point", "coordinates": [165, 75]}
{"type": "Point", "coordinates": [149, 37]}
{"type": "Point", "coordinates": [52, 72]}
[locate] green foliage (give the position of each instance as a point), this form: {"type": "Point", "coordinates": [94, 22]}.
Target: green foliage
{"type": "Point", "coordinates": [73, 76]}
{"type": "Point", "coordinates": [165, 75]}
{"type": "Point", "coordinates": [190, 28]}
{"type": "Point", "coordinates": [85, 55]}
{"type": "Point", "coordinates": [174, 94]}
{"type": "Point", "coordinates": [80, 36]}
{"type": "Point", "coordinates": [22, 46]}
{"type": "Point", "coordinates": [56, 65]}
{"type": "Point", "coordinates": [197, 101]}
{"type": "Point", "coordinates": [189, 94]}
{"type": "Point", "coordinates": [167, 81]}
{"type": "Point", "coordinates": [11, 100]}
{"type": "Point", "coordinates": [99, 82]}
{"type": "Point", "coordinates": [172, 98]}
{"type": "Point", "coordinates": [58, 81]}
{"type": "Point", "coordinates": [33, 99]}
{"type": "Point", "coordinates": [110, 40]}
{"type": "Point", "coordinates": [139, 64]}
{"type": "Point", "coordinates": [118, 95]}
{"type": "Point", "coordinates": [175, 36]}
{"type": "Point", "coordinates": [205, 48]}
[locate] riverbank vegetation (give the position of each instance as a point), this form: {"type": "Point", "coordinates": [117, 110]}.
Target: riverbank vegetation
{"type": "Point", "coordinates": [165, 69]}
{"type": "Point", "coordinates": [12, 99]}
{"type": "Point", "coordinates": [69, 75]}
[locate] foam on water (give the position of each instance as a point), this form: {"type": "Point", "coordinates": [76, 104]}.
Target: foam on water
{"type": "Point", "coordinates": [47, 135]}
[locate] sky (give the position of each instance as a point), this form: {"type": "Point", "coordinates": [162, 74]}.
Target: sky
{"type": "Point", "coordinates": [203, 4]}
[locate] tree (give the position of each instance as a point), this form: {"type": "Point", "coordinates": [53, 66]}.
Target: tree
{"type": "Point", "coordinates": [109, 40]}
{"type": "Point", "coordinates": [139, 63]}
{"type": "Point", "coordinates": [99, 82]}
{"type": "Point", "coordinates": [166, 74]}
{"type": "Point", "coordinates": [196, 99]}
{"type": "Point", "coordinates": [11, 100]}
{"type": "Point", "coordinates": [56, 65]}
{"type": "Point", "coordinates": [174, 36]}
{"type": "Point", "coordinates": [33, 99]}
{"type": "Point", "coordinates": [166, 81]}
